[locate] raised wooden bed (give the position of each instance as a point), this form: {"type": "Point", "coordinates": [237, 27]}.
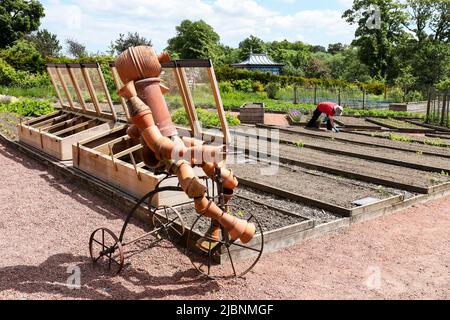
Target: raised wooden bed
{"type": "Point", "coordinates": [115, 159]}
{"type": "Point", "coordinates": [252, 113]}
{"type": "Point", "coordinates": [83, 95]}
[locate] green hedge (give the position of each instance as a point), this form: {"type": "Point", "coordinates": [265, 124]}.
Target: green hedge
{"type": "Point", "coordinates": [12, 77]}
{"type": "Point", "coordinates": [228, 73]}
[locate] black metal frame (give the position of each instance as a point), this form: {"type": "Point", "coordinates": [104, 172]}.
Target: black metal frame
{"type": "Point", "coordinates": [216, 195]}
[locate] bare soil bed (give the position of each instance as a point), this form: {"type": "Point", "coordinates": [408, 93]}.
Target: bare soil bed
{"type": "Point", "coordinates": [445, 136]}
{"type": "Point", "coordinates": [355, 122]}
{"type": "Point", "coordinates": [327, 188]}
{"type": "Point", "coordinates": [365, 167]}
{"type": "Point", "coordinates": [398, 155]}
{"type": "Point", "coordinates": [417, 142]}
{"type": "Point", "coordinates": [374, 138]}
{"type": "Point", "coordinates": [394, 123]}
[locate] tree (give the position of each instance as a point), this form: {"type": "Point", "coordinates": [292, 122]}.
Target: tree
{"type": "Point", "coordinates": [46, 43]}
{"type": "Point", "coordinates": [426, 51]}
{"type": "Point", "coordinates": [195, 40]}
{"type": "Point", "coordinates": [230, 56]}
{"type": "Point", "coordinates": [76, 49]}
{"type": "Point", "coordinates": [406, 80]}
{"type": "Point", "coordinates": [429, 20]}
{"type": "Point", "coordinates": [316, 49]}
{"type": "Point", "coordinates": [18, 17]}
{"type": "Point", "coordinates": [347, 66]}
{"type": "Point", "coordinates": [317, 67]}
{"type": "Point", "coordinates": [377, 41]}
{"type": "Point", "coordinates": [251, 44]}
{"type": "Point", "coordinates": [23, 55]}
{"type": "Point", "coordinates": [130, 40]}
{"type": "Point", "coordinates": [335, 48]}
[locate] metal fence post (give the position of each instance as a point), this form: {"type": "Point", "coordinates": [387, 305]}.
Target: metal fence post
{"type": "Point", "coordinates": [315, 94]}
{"type": "Point", "coordinates": [364, 99]}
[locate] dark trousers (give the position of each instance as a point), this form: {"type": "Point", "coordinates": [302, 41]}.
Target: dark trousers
{"type": "Point", "coordinates": [313, 122]}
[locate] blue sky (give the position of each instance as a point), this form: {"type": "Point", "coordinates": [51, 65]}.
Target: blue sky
{"type": "Point", "coordinates": [96, 22]}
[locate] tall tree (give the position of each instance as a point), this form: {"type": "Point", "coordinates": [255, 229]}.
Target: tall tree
{"type": "Point", "coordinates": [429, 19]}
{"type": "Point", "coordinates": [377, 40]}
{"type": "Point", "coordinates": [76, 49]}
{"type": "Point", "coordinates": [129, 40]}
{"type": "Point", "coordinates": [46, 43]}
{"type": "Point", "coordinates": [251, 44]}
{"type": "Point", "coordinates": [17, 18]}
{"type": "Point", "coordinates": [195, 40]}
{"type": "Point", "coordinates": [334, 48]}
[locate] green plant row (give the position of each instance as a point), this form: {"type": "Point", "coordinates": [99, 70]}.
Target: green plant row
{"type": "Point", "coordinates": [28, 107]}
{"type": "Point", "coordinates": [380, 113]}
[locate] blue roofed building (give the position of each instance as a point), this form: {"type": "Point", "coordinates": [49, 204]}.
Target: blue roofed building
{"type": "Point", "coordinates": [260, 62]}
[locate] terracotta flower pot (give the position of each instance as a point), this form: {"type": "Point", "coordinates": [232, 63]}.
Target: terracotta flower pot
{"type": "Point", "coordinates": [138, 63]}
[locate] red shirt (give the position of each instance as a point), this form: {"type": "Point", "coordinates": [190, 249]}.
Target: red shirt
{"type": "Point", "coordinates": [327, 107]}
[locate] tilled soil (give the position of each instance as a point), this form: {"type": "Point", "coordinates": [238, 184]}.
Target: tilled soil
{"type": "Point", "coordinates": [365, 167]}
{"type": "Point", "coordinates": [397, 124]}
{"type": "Point", "coordinates": [422, 159]}
{"type": "Point", "coordinates": [415, 147]}
{"type": "Point", "coordinates": [46, 221]}
{"type": "Point", "coordinates": [330, 189]}
{"type": "Point", "coordinates": [382, 138]}
{"type": "Point", "coordinates": [355, 122]}
{"type": "Point", "coordinates": [357, 137]}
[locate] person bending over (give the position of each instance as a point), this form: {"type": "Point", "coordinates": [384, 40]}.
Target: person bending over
{"type": "Point", "coordinates": [331, 109]}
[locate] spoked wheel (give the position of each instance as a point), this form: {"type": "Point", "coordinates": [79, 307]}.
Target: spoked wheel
{"type": "Point", "coordinates": [223, 258]}
{"type": "Point", "coordinates": [106, 250]}
{"type": "Point", "coordinates": [168, 223]}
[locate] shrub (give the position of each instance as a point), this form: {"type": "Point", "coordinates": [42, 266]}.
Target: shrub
{"type": "Point", "coordinates": [225, 87]}
{"type": "Point", "coordinates": [12, 77]}
{"type": "Point", "coordinates": [28, 107]}
{"type": "Point", "coordinates": [396, 95]}
{"type": "Point", "coordinates": [414, 96]}
{"type": "Point", "coordinates": [23, 55]}
{"type": "Point", "coordinates": [243, 85]}
{"type": "Point", "coordinates": [258, 87]}
{"type": "Point", "coordinates": [273, 90]}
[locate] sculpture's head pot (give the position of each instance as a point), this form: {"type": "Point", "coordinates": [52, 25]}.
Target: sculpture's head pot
{"type": "Point", "coordinates": [137, 63]}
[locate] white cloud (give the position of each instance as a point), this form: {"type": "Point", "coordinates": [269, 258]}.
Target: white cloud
{"type": "Point", "coordinates": [97, 22]}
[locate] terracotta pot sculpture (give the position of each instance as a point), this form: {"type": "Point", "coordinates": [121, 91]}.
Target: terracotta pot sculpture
{"type": "Point", "coordinates": [140, 68]}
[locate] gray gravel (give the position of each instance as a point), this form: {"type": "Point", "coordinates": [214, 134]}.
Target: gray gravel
{"type": "Point", "coordinates": [270, 218]}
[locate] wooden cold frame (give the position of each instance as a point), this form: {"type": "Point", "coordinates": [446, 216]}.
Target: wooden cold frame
{"type": "Point", "coordinates": [55, 133]}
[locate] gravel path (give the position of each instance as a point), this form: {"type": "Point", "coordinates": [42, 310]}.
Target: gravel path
{"type": "Point", "coordinates": [46, 220]}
